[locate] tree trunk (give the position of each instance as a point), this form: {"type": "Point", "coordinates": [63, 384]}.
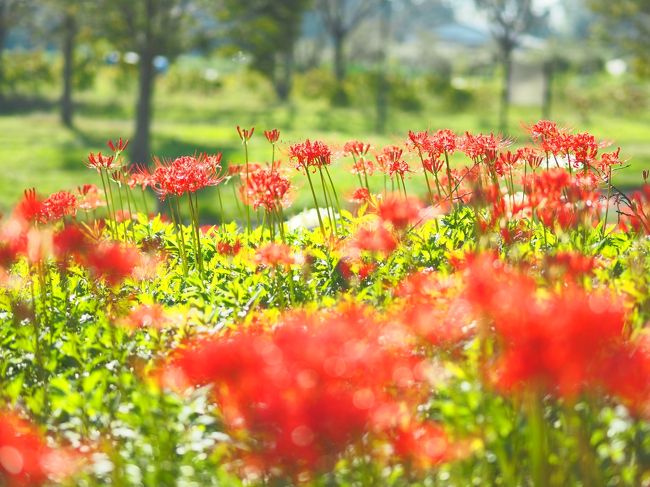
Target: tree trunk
{"type": "Point", "coordinates": [505, 90]}
{"type": "Point", "coordinates": [69, 34]}
{"type": "Point", "coordinates": [141, 150]}
{"type": "Point", "coordinates": [548, 89]}
{"type": "Point", "coordinates": [382, 82]}
{"type": "Point", "coordinates": [3, 34]}
{"type": "Point", "coordinates": [284, 80]}
{"type": "Point", "coordinates": [339, 58]}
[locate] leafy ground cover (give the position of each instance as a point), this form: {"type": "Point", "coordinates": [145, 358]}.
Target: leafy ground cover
{"type": "Point", "coordinates": [486, 326]}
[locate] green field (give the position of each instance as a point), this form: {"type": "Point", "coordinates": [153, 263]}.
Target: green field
{"type": "Point", "coordinates": [36, 151]}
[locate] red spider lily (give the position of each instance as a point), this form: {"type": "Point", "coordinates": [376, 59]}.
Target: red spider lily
{"type": "Point", "coordinates": [399, 211]}
{"type": "Point", "coordinates": [71, 241]}
{"type": "Point", "coordinates": [58, 205]}
{"type": "Point", "coordinates": [276, 255]}
{"type": "Point", "coordinates": [245, 134]}
{"type": "Point", "coordinates": [556, 344]}
{"type": "Point", "coordinates": [119, 145]}
{"type": "Point", "coordinates": [30, 208]}
{"type": "Point", "coordinates": [434, 309]}
{"type": "Point", "coordinates": [100, 162]}
{"type": "Point", "coordinates": [186, 174]}
{"type": "Point", "coordinates": [145, 316]}
{"type": "Point", "coordinates": [420, 140]}
{"type": "Point", "coordinates": [433, 165]}
{"type": "Point", "coordinates": [140, 176]}
{"type": "Point", "coordinates": [363, 166]}
{"type": "Point", "coordinates": [570, 265]}
{"type": "Point", "coordinates": [584, 148]}
{"type": "Point", "coordinates": [530, 156]}
{"type": "Point", "coordinates": [356, 148]}
{"type": "Point", "coordinates": [506, 162]}
{"type": "Point", "coordinates": [89, 198]}
{"type": "Point", "coordinates": [25, 458]}
{"type": "Point", "coordinates": [626, 374]}
{"type": "Point", "coordinates": [423, 444]}
{"type": "Point", "coordinates": [481, 147]}
{"type": "Point", "coordinates": [266, 188]}
{"type": "Point", "coordinates": [444, 141]}
{"type": "Point", "coordinates": [375, 239]}
{"type": "Point", "coordinates": [112, 262]}
{"type": "Point", "coordinates": [360, 195]}
{"type": "Point", "coordinates": [310, 154]}
{"type": "Point", "coordinates": [349, 269]}
{"type": "Point", "coordinates": [391, 162]}
{"type": "Point", "coordinates": [271, 135]}
{"type": "Point", "coordinates": [300, 396]}
{"type": "Point", "coordinates": [228, 248]}
{"type": "Point", "coordinates": [609, 159]}
{"type": "Point", "coordinates": [239, 169]}
{"type": "Point", "coordinates": [550, 137]}
{"type": "Point", "coordinates": [637, 213]}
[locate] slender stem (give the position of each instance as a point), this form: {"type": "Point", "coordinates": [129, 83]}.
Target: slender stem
{"type": "Point", "coordinates": [313, 193]}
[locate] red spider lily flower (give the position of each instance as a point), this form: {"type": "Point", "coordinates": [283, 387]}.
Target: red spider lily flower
{"type": "Point", "coordinates": [375, 239]}
{"type": "Point", "coordinates": [609, 159]}
{"type": "Point", "coordinates": [356, 148]}
{"type": "Point", "coordinates": [350, 269]}
{"type": "Point", "coordinates": [299, 397]}
{"type": "Point", "coordinates": [71, 241]}
{"type": "Point", "coordinates": [420, 141]}
{"type": "Point", "coordinates": [119, 145]}
{"type": "Point", "coordinates": [140, 176]}
{"type": "Point", "coordinates": [530, 156]}
{"type": "Point", "coordinates": [433, 165]}
{"type": "Point", "coordinates": [556, 344]}
{"type": "Point", "coordinates": [310, 154]}
{"type": "Point", "coordinates": [59, 205]}
{"type": "Point", "coordinates": [245, 134]}
{"type": "Point", "coordinates": [584, 147]}
{"type": "Point", "coordinates": [228, 248]}
{"type": "Point", "coordinates": [271, 135]}
{"type": "Point", "coordinates": [276, 255]}
{"type": "Point", "coordinates": [145, 316]}
{"type": "Point", "coordinates": [626, 374]}
{"type": "Point", "coordinates": [266, 188]}
{"type": "Point", "coordinates": [423, 444]}
{"type": "Point", "coordinates": [506, 162]}
{"type": "Point", "coordinates": [482, 147]}
{"type": "Point", "coordinates": [25, 458]}
{"type": "Point", "coordinates": [360, 195]}
{"type": "Point", "coordinates": [100, 162]}
{"type": "Point", "coordinates": [89, 197]}
{"type": "Point", "coordinates": [391, 162]}
{"type": "Point", "coordinates": [550, 137]}
{"type": "Point", "coordinates": [570, 265]}
{"type": "Point", "coordinates": [363, 166]}
{"type": "Point", "coordinates": [186, 174]}
{"type": "Point", "coordinates": [239, 169]}
{"type": "Point", "coordinates": [399, 211]}
{"type": "Point", "coordinates": [112, 262]}
{"type": "Point", "coordinates": [637, 213]}
{"type": "Point", "coordinates": [30, 208]}
{"type": "Point", "coordinates": [443, 141]}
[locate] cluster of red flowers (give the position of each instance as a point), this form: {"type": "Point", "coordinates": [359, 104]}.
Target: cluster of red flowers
{"type": "Point", "coordinates": [302, 394]}
{"type": "Point", "coordinates": [186, 174]}
{"type": "Point", "coordinates": [266, 188]}
{"type": "Point", "coordinates": [276, 255]}
{"type": "Point", "coordinates": [25, 458]}
{"type": "Point", "coordinates": [310, 154]}
{"type": "Point", "coordinates": [567, 342]}
{"type": "Point", "coordinates": [53, 208]}
{"type": "Point", "coordinates": [391, 162]}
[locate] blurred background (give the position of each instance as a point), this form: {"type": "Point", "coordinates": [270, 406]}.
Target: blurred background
{"type": "Point", "coordinates": [177, 76]}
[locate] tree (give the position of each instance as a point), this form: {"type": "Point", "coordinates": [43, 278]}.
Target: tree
{"type": "Point", "coordinates": [150, 28]}
{"type": "Point", "coordinates": [627, 23]}
{"type": "Point", "coordinates": [11, 11]}
{"type": "Point", "coordinates": [268, 30]}
{"type": "Point", "coordinates": [509, 19]}
{"type": "Point", "coordinates": [341, 18]}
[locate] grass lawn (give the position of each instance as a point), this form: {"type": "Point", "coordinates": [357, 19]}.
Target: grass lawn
{"type": "Point", "coordinates": [36, 151]}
